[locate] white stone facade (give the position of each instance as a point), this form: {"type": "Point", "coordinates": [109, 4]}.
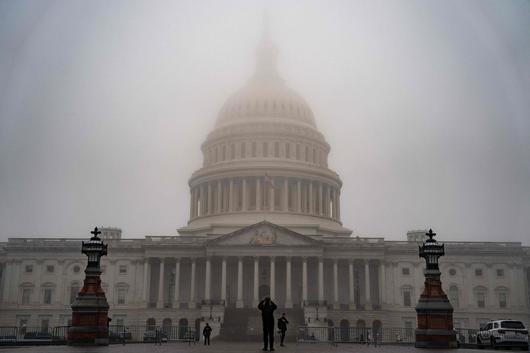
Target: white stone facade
{"type": "Point", "coordinates": [265, 219]}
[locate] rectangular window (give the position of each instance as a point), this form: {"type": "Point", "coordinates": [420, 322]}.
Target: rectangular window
{"type": "Point", "coordinates": [407, 298]}
{"type": "Point", "coordinates": [500, 272]}
{"type": "Point", "coordinates": [50, 268]}
{"type": "Point", "coordinates": [47, 296]}
{"type": "Point", "coordinates": [502, 300]}
{"type": "Point", "coordinates": [405, 271]}
{"type": "Point", "coordinates": [481, 300]}
{"type": "Point", "coordinates": [478, 272]}
{"type": "Point", "coordinates": [26, 295]}
{"type": "Point", "coordinates": [122, 294]}
{"type": "Point", "coordinates": [123, 269]}
{"type": "Point", "coordinates": [29, 268]}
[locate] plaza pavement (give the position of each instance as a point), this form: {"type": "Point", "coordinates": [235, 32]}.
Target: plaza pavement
{"type": "Point", "coordinates": [222, 347]}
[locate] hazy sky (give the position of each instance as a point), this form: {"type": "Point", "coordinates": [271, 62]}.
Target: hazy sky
{"type": "Point", "coordinates": [426, 105]}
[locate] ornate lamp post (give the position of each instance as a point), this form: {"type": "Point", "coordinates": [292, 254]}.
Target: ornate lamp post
{"type": "Point", "coordinates": [90, 308]}
{"type": "Point", "coordinates": [434, 311]}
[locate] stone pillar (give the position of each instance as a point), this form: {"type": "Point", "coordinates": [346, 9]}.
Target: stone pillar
{"type": "Point", "coordinates": [304, 279]}
{"type": "Point", "coordinates": [368, 304]}
{"type": "Point", "coordinates": [271, 195]}
{"type": "Point", "coordinates": [338, 205]}
{"type": "Point", "coordinates": [285, 206]}
{"type": "Point", "coordinates": [239, 302]}
{"type": "Point", "coordinates": [320, 279]}
{"type": "Point", "coordinates": [231, 207]}
{"type": "Point", "coordinates": [223, 280]}
{"type": "Point", "coordinates": [209, 203]}
{"type": "Point", "coordinates": [273, 278]}
{"type": "Point", "coordinates": [147, 270]}
{"type": "Point", "coordinates": [382, 280]}
{"type": "Point", "coordinates": [310, 197]}
{"type": "Point", "coordinates": [298, 196]}
{"type": "Point", "coordinates": [320, 201]}
{"type": "Point", "coordinates": [244, 201]}
{"type": "Point", "coordinates": [333, 213]}
{"type": "Point", "coordinates": [335, 283]}
{"type": "Point", "coordinates": [191, 202]}
{"type": "Point", "coordinates": [288, 294]}
{"type": "Point", "coordinates": [160, 301]}
{"type": "Point", "coordinates": [176, 299]}
{"type": "Point", "coordinates": [256, 282]}
{"type": "Point", "coordinates": [191, 303]}
{"type": "Point", "coordinates": [258, 194]}
{"type": "Point", "coordinates": [219, 196]}
{"type": "Point", "coordinates": [202, 197]}
{"type": "Point", "coordinates": [351, 281]}
{"type": "Point", "coordinates": [207, 280]}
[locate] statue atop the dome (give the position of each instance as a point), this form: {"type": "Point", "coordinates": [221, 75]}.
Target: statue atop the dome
{"type": "Point", "coordinates": [266, 54]}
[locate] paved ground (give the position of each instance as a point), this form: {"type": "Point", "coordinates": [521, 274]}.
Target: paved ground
{"type": "Point", "coordinates": [221, 347]}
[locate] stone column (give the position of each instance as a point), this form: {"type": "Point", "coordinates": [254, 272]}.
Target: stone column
{"type": "Point", "coordinates": [368, 304]}
{"type": "Point", "coordinates": [191, 202]}
{"type": "Point", "coordinates": [335, 283]}
{"type": "Point", "coordinates": [258, 194]}
{"type": "Point", "coordinates": [333, 203]}
{"type": "Point", "coordinates": [176, 299]}
{"type": "Point", "coordinates": [351, 281]}
{"type": "Point", "coordinates": [285, 206]}
{"type": "Point", "coordinates": [239, 302]}
{"type": "Point", "coordinates": [271, 195]}
{"type": "Point", "coordinates": [288, 294]}
{"type": "Point", "coordinates": [209, 203]}
{"type": "Point", "coordinates": [304, 279]}
{"type": "Point", "coordinates": [382, 289]}
{"type": "Point", "coordinates": [338, 205]}
{"type": "Point", "coordinates": [273, 278]}
{"type": "Point", "coordinates": [191, 303]}
{"type": "Point", "coordinates": [256, 281]}
{"type": "Point", "coordinates": [223, 280]}
{"type": "Point", "coordinates": [320, 201]}
{"type": "Point", "coordinates": [320, 279]}
{"type": "Point", "coordinates": [201, 200]}
{"type": "Point", "coordinates": [310, 197]}
{"type": "Point", "coordinates": [219, 196]}
{"type": "Point", "coordinates": [231, 207]}
{"type": "Point", "coordinates": [160, 302]}
{"type": "Point", "coordinates": [298, 196]}
{"type": "Point", "coordinates": [207, 280]}
{"type": "Point", "coordinates": [147, 270]}
{"type": "Point", "coordinates": [244, 201]}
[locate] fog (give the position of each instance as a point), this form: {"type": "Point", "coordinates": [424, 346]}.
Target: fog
{"type": "Point", "coordinates": [104, 106]}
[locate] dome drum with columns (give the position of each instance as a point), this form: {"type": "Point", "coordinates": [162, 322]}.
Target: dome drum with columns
{"type": "Point", "coordinates": [265, 160]}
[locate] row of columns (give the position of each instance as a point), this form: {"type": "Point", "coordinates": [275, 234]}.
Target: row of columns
{"type": "Point", "coordinates": [239, 301]}
{"type": "Point", "coordinates": [313, 197]}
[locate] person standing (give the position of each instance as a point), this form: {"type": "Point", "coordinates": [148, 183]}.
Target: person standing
{"type": "Point", "coordinates": [206, 332]}
{"type": "Point", "coordinates": [267, 308]}
{"type": "Point", "coordinates": [282, 328]}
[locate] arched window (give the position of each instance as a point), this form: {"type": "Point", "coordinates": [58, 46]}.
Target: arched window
{"type": "Point", "coordinates": [407, 294]}
{"type": "Point", "coordinates": [453, 295]}
{"type": "Point", "coordinates": [182, 328]}
{"type": "Point", "coordinates": [47, 293]}
{"type": "Point", "coordinates": [122, 290]}
{"type": "Point", "coordinates": [26, 291]}
{"type": "Point", "coordinates": [150, 324]}
{"type": "Point", "coordinates": [502, 297]}
{"type": "Point", "coordinates": [480, 296]}
{"type": "Point", "coordinates": [344, 330]}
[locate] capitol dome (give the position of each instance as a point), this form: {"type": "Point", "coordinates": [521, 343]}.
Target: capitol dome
{"type": "Point", "coordinates": [265, 160]}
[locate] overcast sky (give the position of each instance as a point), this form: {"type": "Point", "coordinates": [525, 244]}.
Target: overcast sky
{"type": "Point", "coordinates": [426, 106]}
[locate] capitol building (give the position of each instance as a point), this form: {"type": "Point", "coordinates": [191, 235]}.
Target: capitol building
{"type": "Point", "coordinates": [265, 219]}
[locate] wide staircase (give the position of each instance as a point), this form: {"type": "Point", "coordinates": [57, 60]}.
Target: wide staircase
{"type": "Point", "coordinates": [245, 324]}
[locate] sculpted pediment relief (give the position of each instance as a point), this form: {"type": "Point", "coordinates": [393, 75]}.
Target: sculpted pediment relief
{"type": "Point", "coordinates": [264, 234]}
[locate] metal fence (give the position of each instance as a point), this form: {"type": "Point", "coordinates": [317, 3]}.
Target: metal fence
{"type": "Point", "coordinates": [360, 335]}
{"type": "Point", "coordinates": [117, 334]}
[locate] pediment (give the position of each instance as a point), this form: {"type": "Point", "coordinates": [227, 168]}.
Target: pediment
{"type": "Point", "coordinates": [264, 234]}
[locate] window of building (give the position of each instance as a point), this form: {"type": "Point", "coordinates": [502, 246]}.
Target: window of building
{"type": "Point", "coordinates": [265, 149]}
{"type": "Point", "coordinates": [47, 298]}
{"type": "Point", "coordinates": [503, 300]}
{"type": "Point", "coordinates": [26, 296]}
{"type": "Point", "coordinates": [298, 152]}
{"type": "Point", "coordinates": [407, 298]}
{"type": "Point", "coordinates": [453, 296]}
{"type": "Point", "coordinates": [500, 272]}
{"type": "Point", "coordinates": [478, 272]}
{"type": "Point", "coordinates": [277, 149]}
{"type": "Point", "coordinates": [254, 149]}
{"type": "Point", "coordinates": [405, 271]}
{"type": "Point", "coordinates": [76, 269]}
{"type": "Point", "coordinates": [452, 272]}
{"type": "Point", "coordinates": [232, 151]}
{"type": "Point", "coordinates": [28, 268]}
{"type": "Point", "coordinates": [50, 268]}
{"type": "Point", "coordinates": [122, 295]}
{"type": "Point", "coordinates": [243, 150]}
{"type": "Point", "coordinates": [481, 299]}
{"type": "Point", "coordinates": [287, 150]}
{"type": "Point", "coordinates": [44, 325]}
{"type": "Point", "coordinates": [123, 269]}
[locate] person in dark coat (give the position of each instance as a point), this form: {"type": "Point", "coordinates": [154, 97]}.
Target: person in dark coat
{"type": "Point", "coordinates": [282, 327]}
{"type": "Point", "coordinates": [267, 308]}
{"type": "Point", "coordinates": [206, 332]}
